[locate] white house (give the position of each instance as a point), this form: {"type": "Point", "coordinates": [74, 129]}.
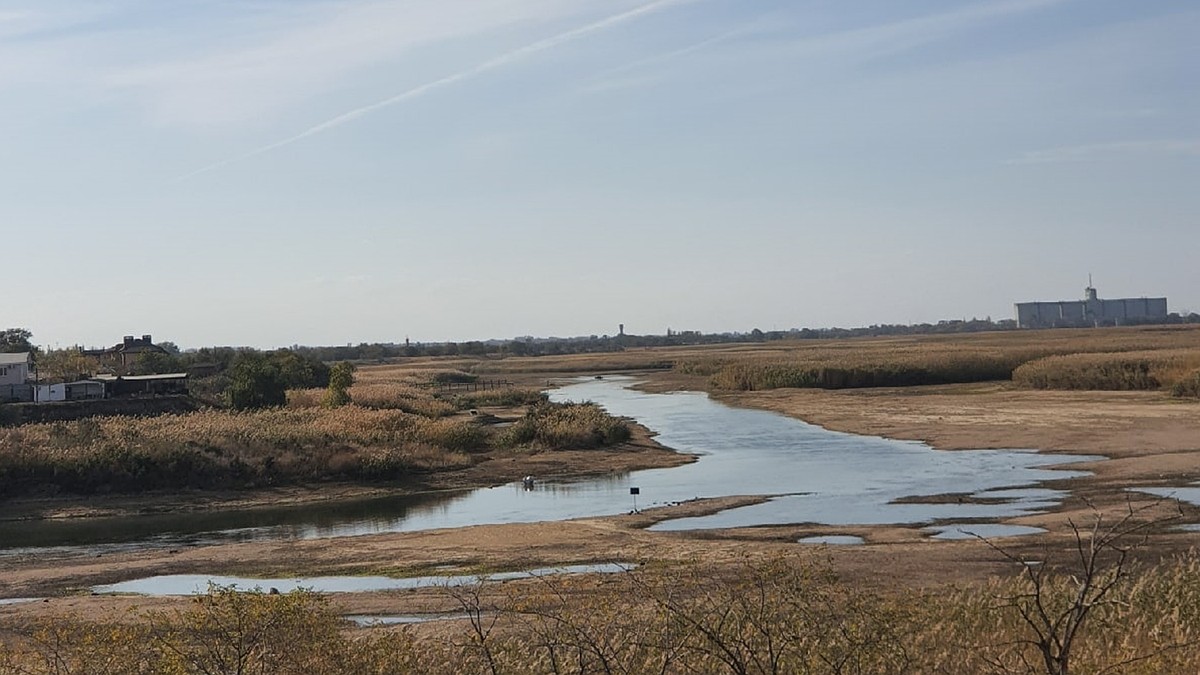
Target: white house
{"type": "Point", "coordinates": [51, 392]}
{"type": "Point", "coordinates": [70, 391]}
{"type": "Point", "coordinates": [14, 368]}
{"type": "Point", "coordinates": [14, 372]}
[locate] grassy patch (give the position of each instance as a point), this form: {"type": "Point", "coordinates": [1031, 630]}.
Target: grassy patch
{"type": "Point", "coordinates": [566, 426]}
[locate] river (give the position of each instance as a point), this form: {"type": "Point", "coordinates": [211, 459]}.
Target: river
{"type": "Point", "coordinates": [812, 475]}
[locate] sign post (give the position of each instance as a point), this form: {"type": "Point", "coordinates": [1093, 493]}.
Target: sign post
{"type": "Point", "coordinates": [635, 492]}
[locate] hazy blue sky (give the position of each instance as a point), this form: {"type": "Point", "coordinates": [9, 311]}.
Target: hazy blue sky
{"type": "Point", "coordinates": [269, 172]}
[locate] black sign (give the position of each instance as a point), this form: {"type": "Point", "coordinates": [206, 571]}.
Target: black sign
{"type": "Point", "coordinates": [635, 491]}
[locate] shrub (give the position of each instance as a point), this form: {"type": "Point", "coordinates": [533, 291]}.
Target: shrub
{"type": "Point", "coordinates": [341, 377]}
{"type": "Point", "coordinates": [255, 382]}
{"type": "Point", "coordinates": [499, 397]}
{"type": "Point", "coordinates": [1188, 386]}
{"type": "Point", "coordinates": [222, 631]}
{"type": "Point", "coordinates": [452, 434]}
{"type": "Point", "coordinates": [567, 426]}
{"type": "Point", "coordinates": [452, 377]}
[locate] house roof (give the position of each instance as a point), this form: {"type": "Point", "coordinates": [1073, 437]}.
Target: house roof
{"type": "Point", "coordinates": [135, 347]}
{"type": "Point", "coordinates": [142, 378]}
{"type": "Point", "coordinates": [11, 359]}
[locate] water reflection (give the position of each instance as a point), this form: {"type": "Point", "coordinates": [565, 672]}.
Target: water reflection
{"type": "Point", "coordinates": [364, 516]}
{"type": "Point", "coordinates": [192, 584]}
{"type": "Point", "coordinates": [1190, 494]}
{"type": "Point", "coordinates": [17, 601]}
{"type": "Point", "coordinates": [833, 540]}
{"type": "Point", "coordinates": [985, 530]}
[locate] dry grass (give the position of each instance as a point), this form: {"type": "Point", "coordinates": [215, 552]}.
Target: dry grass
{"type": "Point", "coordinates": [923, 360]}
{"type": "Point", "coordinates": [571, 426]}
{"type": "Point", "coordinates": [782, 615]}
{"type": "Point", "coordinates": [1140, 370]}
{"type": "Point", "coordinates": [218, 448]}
{"type": "Point", "coordinates": [857, 362]}
{"type": "Point", "coordinates": [394, 428]}
{"type": "Point", "coordinates": [1150, 625]}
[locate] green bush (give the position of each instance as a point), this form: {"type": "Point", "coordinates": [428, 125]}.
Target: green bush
{"type": "Point", "coordinates": [255, 382]}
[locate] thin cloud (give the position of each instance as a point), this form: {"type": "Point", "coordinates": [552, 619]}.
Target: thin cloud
{"type": "Point", "coordinates": [864, 43]}
{"type": "Point", "coordinates": [1108, 151]}
{"type": "Point", "coordinates": [420, 90]}
{"type": "Point", "coordinates": [882, 40]}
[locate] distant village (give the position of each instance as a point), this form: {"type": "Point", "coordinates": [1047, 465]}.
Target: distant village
{"type": "Point", "coordinates": [21, 381]}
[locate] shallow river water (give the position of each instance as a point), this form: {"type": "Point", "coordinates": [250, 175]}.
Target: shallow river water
{"type": "Point", "coordinates": [813, 475]}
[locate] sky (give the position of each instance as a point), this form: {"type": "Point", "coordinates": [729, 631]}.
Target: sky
{"type": "Point", "coordinates": [277, 172]}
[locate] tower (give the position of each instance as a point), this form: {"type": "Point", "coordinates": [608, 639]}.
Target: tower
{"type": "Point", "coordinates": [621, 329]}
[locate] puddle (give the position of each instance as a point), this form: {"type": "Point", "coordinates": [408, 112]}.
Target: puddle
{"type": "Point", "coordinates": [833, 540]}
{"type": "Point", "coordinates": [400, 619]}
{"type": "Point", "coordinates": [17, 601]}
{"type": "Point", "coordinates": [985, 530]}
{"type": "Point", "coordinates": [1028, 494]}
{"type": "Point", "coordinates": [1191, 495]}
{"type": "Point", "coordinates": [811, 474]}
{"type": "Point", "coordinates": [193, 584]}
{"type": "Point", "coordinates": [1188, 527]}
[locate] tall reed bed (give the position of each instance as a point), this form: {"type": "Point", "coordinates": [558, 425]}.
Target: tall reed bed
{"type": "Point", "coordinates": [218, 448]}
{"type": "Point", "coordinates": [1122, 371]}
{"type": "Point", "coordinates": [1102, 359]}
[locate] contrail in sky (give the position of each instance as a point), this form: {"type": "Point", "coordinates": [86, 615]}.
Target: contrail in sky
{"type": "Point", "coordinates": [421, 90]}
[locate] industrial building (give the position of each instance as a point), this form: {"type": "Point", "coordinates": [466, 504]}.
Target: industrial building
{"type": "Point", "coordinates": [1091, 311]}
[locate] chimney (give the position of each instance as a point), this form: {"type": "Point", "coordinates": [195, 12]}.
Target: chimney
{"type": "Point", "coordinates": [127, 340]}
{"type": "Point", "coordinates": [147, 340]}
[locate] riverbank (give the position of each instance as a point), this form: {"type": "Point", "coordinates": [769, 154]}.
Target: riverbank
{"type": "Point", "coordinates": [1148, 438]}
{"type": "Point", "coordinates": [493, 468]}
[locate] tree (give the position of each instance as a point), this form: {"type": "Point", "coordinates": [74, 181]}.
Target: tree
{"type": "Point", "coordinates": [300, 372]}
{"type": "Point", "coordinates": [65, 364]}
{"type": "Point", "coordinates": [341, 377]}
{"type": "Point", "coordinates": [1054, 620]}
{"type": "Point", "coordinates": [153, 363]}
{"type": "Point", "coordinates": [255, 382]}
{"type": "Point", "coordinates": [15, 340]}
